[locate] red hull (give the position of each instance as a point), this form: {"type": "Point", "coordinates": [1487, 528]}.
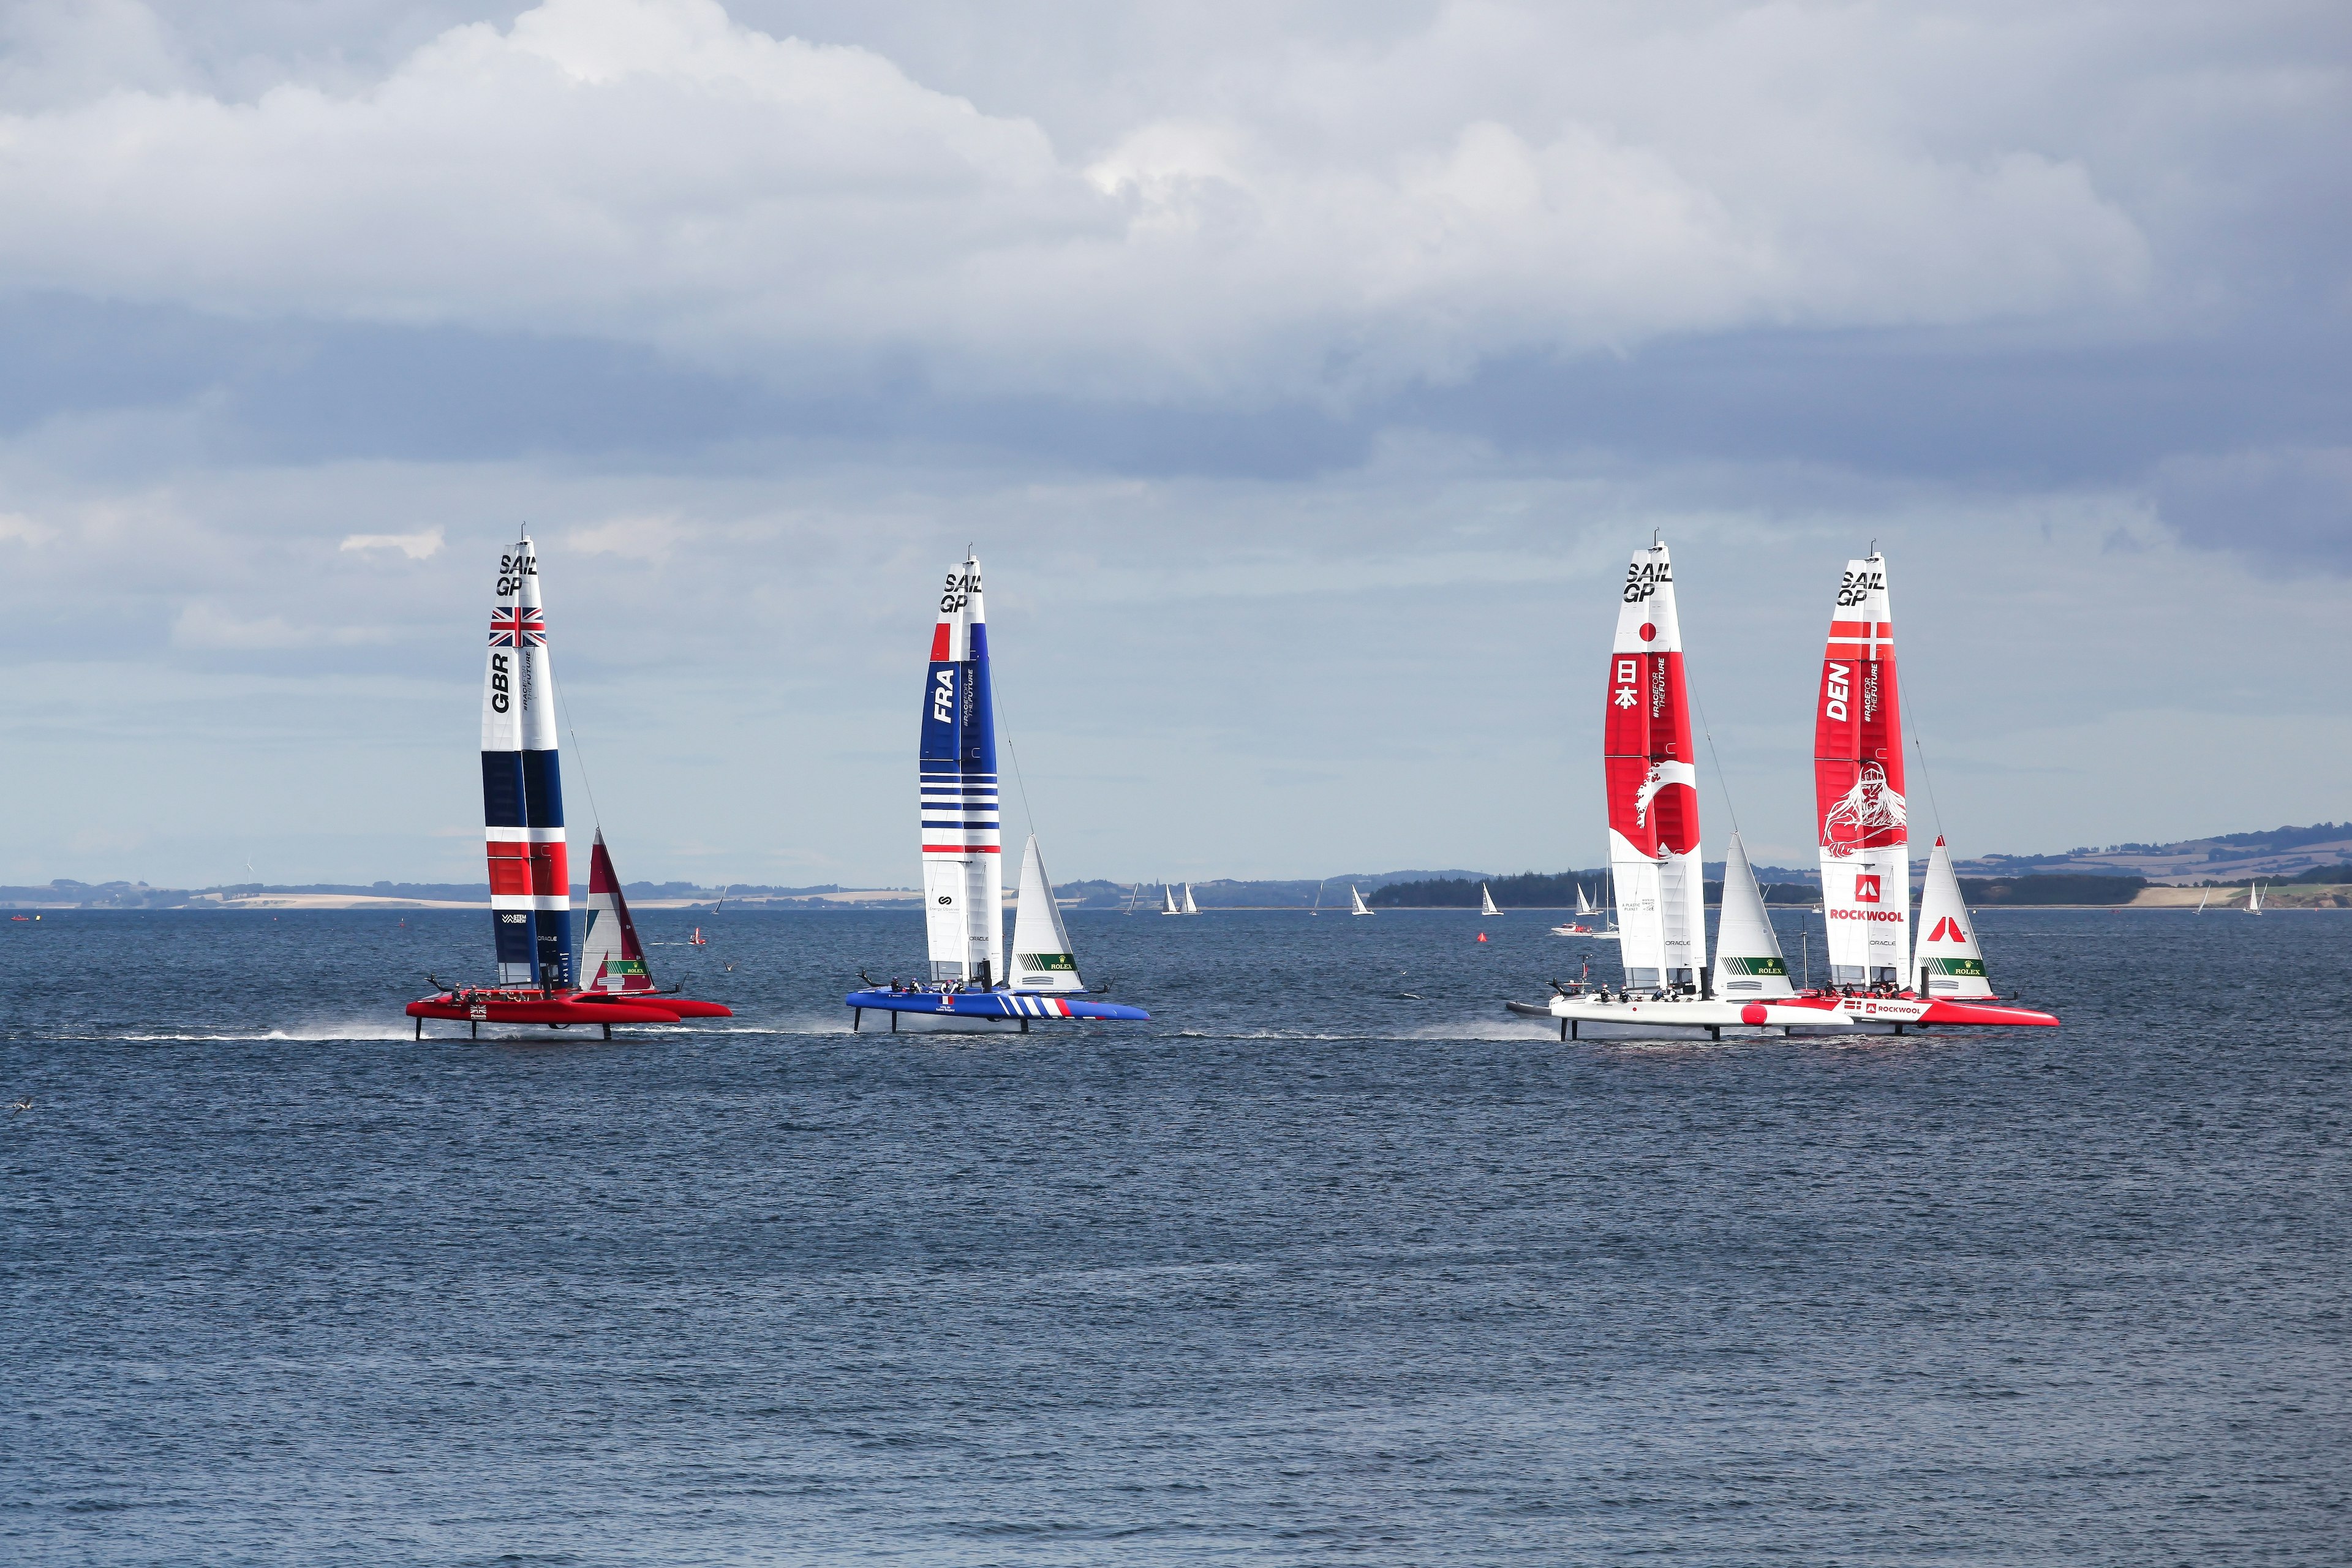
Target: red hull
{"type": "Point", "coordinates": [1908, 1009]}
{"type": "Point", "coordinates": [683, 1006]}
{"type": "Point", "coordinates": [542, 1010]}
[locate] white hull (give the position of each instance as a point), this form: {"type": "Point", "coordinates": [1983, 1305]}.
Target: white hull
{"type": "Point", "coordinates": [1694, 1014]}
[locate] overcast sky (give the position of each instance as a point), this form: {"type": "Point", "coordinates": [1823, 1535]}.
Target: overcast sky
{"type": "Point", "coordinates": [1304, 373]}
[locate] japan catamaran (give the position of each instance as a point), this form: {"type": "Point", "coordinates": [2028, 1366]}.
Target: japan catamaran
{"type": "Point", "coordinates": [963, 901]}
{"type": "Point", "coordinates": [1654, 855]}
{"type": "Point", "coordinates": [531, 881]}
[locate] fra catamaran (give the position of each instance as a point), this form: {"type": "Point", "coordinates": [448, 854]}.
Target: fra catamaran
{"type": "Point", "coordinates": [531, 878]}
{"type": "Point", "coordinates": [963, 901]}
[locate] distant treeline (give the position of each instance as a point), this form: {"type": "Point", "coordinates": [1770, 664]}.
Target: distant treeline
{"type": "Point", "coordinates": [1527, 890]}
{"type": "Point", "coordinates": [2052, 888]}
{"type": "Point", "coordinates": [1540, 891]}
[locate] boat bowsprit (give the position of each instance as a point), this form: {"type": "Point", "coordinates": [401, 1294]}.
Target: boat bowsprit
{"type": "Point", "coordinates": [949, 1001]}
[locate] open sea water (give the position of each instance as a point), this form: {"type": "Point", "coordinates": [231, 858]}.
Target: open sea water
{"type": "Point", "coordinates": [1331, 1262]}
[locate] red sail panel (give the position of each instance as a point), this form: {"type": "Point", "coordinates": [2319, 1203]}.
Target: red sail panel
{"type": "Point", "coordinates": [1652, 785]}
{"type": "Point", "coordinates": [1861, 814]}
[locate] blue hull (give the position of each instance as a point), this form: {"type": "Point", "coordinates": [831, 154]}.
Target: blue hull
{"type": "Point", "coordinates": [989, 1004]}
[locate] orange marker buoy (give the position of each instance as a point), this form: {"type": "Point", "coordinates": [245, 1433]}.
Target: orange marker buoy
{"type": "Point", "coordinates": [1481, 936]}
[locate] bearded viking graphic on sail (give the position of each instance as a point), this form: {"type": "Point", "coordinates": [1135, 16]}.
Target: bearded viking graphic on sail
{"type": "Point", "coordinates": [1866, 815]}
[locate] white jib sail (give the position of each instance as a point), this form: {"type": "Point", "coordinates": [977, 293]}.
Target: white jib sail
{"type": "Point", "coordinates": [1359, 898]}
{"type": "Point", "coordinates": [1042, 957]}
{"type": "Point", "coordinates": [1950, 964]}
{"type": "Point", "coordinates": [1189, 907]}
{"type": "Point", "coordinates": [1487, 901]}
{"type": "Point", "coordinates": [1747, 961]}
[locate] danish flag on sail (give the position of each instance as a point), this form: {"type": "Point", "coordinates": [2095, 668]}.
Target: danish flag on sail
{"type": "Point", "coordinates": [1652, 784]}
{"type": "Point", "coordinates": [522, 787]}
{"type": "Point", "coordinates": [1858, 785]}
{"type": "Point", "coordinates": [963, 860]}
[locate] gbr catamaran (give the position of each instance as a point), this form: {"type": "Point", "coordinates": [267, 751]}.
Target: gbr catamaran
{"type": "Point", "coordinates": [531, 880]}
{"type": "Point", "coordinates": [963, 900]}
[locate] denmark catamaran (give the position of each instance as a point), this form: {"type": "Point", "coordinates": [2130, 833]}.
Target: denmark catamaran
{"type": "Point", "coordinates": [529, 874]}
{"type": "Point", "coordinates": [963, 858]}
{"type": "Point", "coordinates": [1864, 832]}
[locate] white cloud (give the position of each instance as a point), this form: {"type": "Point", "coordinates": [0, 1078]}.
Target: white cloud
{"type": "Point", "coordinates": [635, 538]}
{"type": "Point", "coordinates": [24, 529]}
{"type": "Point", "coordinates": [649, 170]}
{"type": "Point", "coordinates": [415, 546]}
{"type": "Point", "coordinates": [209, 626]}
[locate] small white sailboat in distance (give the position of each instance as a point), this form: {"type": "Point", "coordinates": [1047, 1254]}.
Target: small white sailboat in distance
{"type": "Point", "coordinates": [2201, 897]}
{"type": "Point", "coordinates": [1578, 928]}
{"type": "Point", "coordinates": [1168, 901]}
{"type": "Point", "coordinates": [1487, 901]}
{"type": "Point", "coordinates": [1359, 898]}
{"type": "Point", "coordinates": [2255, 900]}
{"type": "Point", "coordinates": [1189, 907]}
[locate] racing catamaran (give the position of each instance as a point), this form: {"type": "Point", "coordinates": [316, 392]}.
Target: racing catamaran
{"type": "Point", "coordinates": [964, 855]}
{"type": "Point", "coordinates": [1864, 832]}
{"type": "Point", "coordinates": [1655, 859]}
{"type": "Point", "coordinates": [522, 814]}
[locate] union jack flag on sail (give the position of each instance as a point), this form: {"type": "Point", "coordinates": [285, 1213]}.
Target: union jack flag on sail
{"type": "Point", "coordinates": [518, 626]}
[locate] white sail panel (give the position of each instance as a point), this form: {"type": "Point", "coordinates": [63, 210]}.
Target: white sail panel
{"type": "Point", "coordinates": [1043, 959]}
{"type": "Point", "coordinates": [1950, 963]}
{"type": "Point", "coordinates": [1487, 901]}
{"type": "Point", "coordinates": [1747, 958]}
{"type": "Point", "coordinates": [1189, 907]}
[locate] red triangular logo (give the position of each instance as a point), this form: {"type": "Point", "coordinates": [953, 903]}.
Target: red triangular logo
{"type": "Point", "coordinates": [1948, 930]}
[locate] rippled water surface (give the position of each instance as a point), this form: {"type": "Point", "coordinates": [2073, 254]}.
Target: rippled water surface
{"type": "Point", "coordinates": [1331, 1262]}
